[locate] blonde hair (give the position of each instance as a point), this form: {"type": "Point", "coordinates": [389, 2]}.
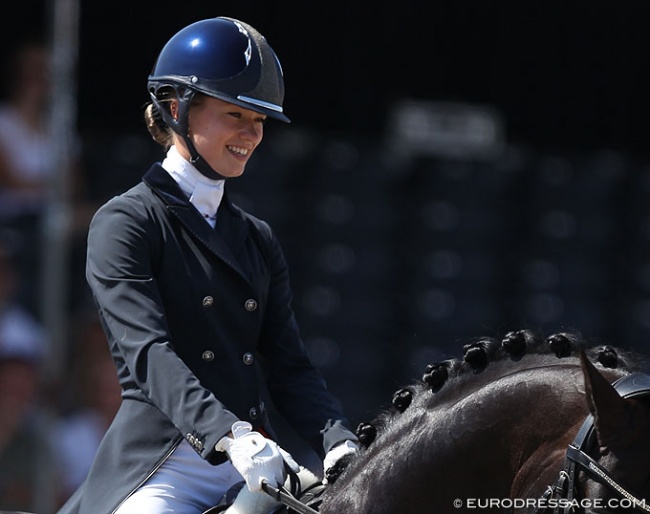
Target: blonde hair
{"type": "Point", "coordinates": [159, 130]}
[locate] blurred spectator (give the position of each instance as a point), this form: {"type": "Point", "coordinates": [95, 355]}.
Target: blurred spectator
{"type": "Point", "coordinates": [27, 160]}
{"type": "Point", "coordinates": [94, 397]}
{"type": "Point", "coordinates": [20, 331]}
{"type": "Point", "coordinates": [25, 150]}
{"type": "Point", "coordinates": [25, 463]}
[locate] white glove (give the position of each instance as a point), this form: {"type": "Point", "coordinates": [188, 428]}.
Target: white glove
{"type": "Point", "coordinates": [337, 452]}
{"type": "Point", "coordinates": [257, 458]}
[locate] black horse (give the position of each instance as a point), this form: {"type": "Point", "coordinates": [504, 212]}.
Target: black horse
{"type": "Point", "coordinates": [524, 424]}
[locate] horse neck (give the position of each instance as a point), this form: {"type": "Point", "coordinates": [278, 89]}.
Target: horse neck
{"type": "Point", "coordinates": [495, 434]}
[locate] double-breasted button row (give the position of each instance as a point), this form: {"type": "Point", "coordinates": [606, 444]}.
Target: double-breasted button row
{"type": "Point", "coordinates": [195, 442]}
{"type": "Point", "coordinates": [248, 358]}
{"type": "Point", "coordinates": [250, 305]}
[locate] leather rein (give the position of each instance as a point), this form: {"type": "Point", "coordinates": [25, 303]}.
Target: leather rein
{"type": "Point", "coordinates": [577, 459]}
{"type": "Point", "coordinates": [290, 498]}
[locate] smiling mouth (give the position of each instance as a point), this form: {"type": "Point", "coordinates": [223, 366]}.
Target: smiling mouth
{"type": "Point", "coordinates": [238, 150]}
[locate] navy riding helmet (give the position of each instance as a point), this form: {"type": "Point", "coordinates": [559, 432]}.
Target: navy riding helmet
{"type": "Point", "coordinates": [219, 57]}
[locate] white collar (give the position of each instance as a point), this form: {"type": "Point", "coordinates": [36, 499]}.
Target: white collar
{"type": "Point", "coordinates": [204, 193]}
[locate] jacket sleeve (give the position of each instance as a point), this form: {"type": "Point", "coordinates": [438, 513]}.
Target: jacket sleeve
{"type": "Point", "coordinates": [123, 245]}
{"type": "Point", "coordinates": [297, 388]}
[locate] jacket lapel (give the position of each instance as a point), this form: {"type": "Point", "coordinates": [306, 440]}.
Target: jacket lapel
{"type": "Point", "coordinates": [225, 241]}
{"type": "Point", "coordinates": [231, 227]}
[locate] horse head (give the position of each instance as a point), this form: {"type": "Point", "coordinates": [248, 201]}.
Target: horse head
{"type": "Point", "coordinates": [619, 473]}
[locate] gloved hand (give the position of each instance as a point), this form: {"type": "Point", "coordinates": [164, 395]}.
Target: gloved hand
{"type": "Point", "coordinates": [257, 458]}
{"type": "Point", "coordinates": [336, 453]}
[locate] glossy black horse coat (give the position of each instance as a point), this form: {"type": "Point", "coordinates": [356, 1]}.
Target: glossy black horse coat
{"type": "Point", "coordinates": [486, 433]}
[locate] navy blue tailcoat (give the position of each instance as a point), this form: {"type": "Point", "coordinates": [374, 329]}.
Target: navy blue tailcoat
{"type": "Point", "coordinates": [199, 323]}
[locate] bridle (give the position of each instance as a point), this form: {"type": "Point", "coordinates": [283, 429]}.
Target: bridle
{"type": "Point", "coordinates": [564, 492]}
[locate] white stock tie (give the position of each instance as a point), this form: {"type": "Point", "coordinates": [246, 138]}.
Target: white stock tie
{"type": "Point", "coordinates": [206, 198]}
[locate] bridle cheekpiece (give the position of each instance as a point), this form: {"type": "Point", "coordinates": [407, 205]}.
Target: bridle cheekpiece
{"type": "Point", "coordinates": [565, 489]}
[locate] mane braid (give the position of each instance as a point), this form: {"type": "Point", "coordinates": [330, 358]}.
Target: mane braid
{"type": "Point", "coordinates": [479, 353]}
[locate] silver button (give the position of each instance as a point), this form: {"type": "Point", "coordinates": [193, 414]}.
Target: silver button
{"type": "Point", "coordinates": [194, 441]}
{"type": "Point", "coordinates": [250, 305]}
{"type": "Point", "coordinates": [248, 358]}
{"type": "Point", "coordinates": [253, 413]}
{"type": "Point", "coordinates": [208, 355]}
{"type": "Point", "coordinates": [208, 301]}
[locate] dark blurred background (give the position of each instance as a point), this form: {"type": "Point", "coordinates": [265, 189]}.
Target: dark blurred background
{"type": "Point", "coordinates": [453, 170]}
{"type": "Point", "coordinates": [567, 82]}
{"type": "Point", "coordinates": [565, 75]}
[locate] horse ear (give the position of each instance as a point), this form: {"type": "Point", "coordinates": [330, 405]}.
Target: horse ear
{"type": "Point", "coordinates": [609, 409]}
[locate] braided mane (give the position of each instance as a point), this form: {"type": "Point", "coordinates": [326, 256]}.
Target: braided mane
{"type": "Point", "coordinates": [441, 377]}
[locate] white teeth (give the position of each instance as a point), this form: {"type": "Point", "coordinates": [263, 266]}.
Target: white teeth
{"type": "Point", "coordinates": [239, 150]}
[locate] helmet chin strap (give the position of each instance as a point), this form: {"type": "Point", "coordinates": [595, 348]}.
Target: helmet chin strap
{"type": "Point", "coordinates": [200, 163]}
{"type": "Point", "coordinates": [180, 125]}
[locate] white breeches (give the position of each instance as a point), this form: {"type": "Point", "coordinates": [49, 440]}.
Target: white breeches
{"type": "Point", "coordinates": [184, 483]}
